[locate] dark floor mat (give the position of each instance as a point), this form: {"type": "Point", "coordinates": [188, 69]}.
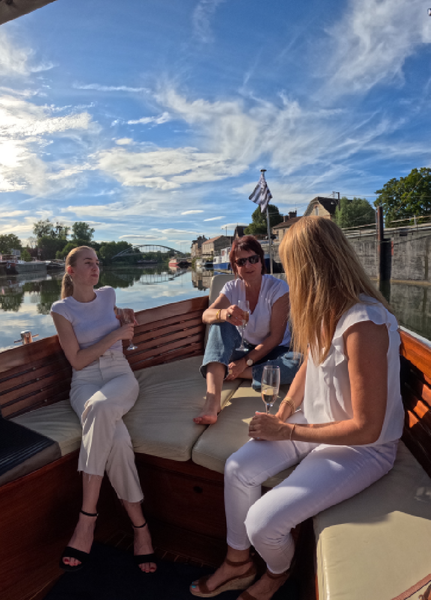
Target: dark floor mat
{"type": "Point", "coordinates": [110, 574]}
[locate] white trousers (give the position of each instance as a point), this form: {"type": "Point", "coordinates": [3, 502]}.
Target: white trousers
{"type": "Point", "coordinates": [325, 476]}
{"type": "Point", "coordinates": [101, 394]}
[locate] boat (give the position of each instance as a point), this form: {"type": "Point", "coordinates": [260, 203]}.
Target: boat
{"type": "Point", "coordinates": [181, 466]}
{"type": "Point", "coordinates": [14, 266]}
{"type": "Point", "coordinates": [55, 265]}
{"type": "Point", "coordinates": [182, 263]}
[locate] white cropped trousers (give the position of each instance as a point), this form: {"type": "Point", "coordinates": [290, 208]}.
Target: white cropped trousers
{"type": "Point", "coordinates": [101, 394]}
{"type": "Point", "coordinates": [325, 476]}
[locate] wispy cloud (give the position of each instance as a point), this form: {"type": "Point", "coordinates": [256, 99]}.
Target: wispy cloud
{"type": "Point", "coordinates": [214, 219]}
{"type": "Point", "coordinates": [192, 212]}
{"type": "Point", "coordinates": [163, 118]}
{"type": "Point", "coordinates": [202, 19]}
{"type": "Point", "coordinates": [372, 41]}
{"type": "Point", "coordinates": [108, 88]}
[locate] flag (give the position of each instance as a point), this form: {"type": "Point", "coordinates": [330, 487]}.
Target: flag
{"type": "Point", "coordinates": [261, 194]}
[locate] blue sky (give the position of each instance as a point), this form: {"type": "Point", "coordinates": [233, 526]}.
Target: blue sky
{"type": "Point", "coordinates": [150, 119]}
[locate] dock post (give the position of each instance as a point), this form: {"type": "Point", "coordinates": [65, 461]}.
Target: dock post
{"type": "Point", "coordinates": [384, 256]}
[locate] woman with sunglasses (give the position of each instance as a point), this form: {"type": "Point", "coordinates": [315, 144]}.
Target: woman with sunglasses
{"type": "Point", "coordinates": [267, 333]}
{"type": "Point", "coordinates": [351, 415]}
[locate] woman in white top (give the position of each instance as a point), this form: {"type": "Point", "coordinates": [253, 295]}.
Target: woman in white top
{"type": "Point", "coordinates": [103, 389]}
{"type": "Point", "coordinates": [267, 335]}
{"type": "Point", "coordinates": [350, 416]}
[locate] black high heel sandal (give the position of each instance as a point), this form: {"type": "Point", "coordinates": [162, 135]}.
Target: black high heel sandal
{"type": "Point", "coordinates": [70, 552]}
{"type": "Point", "coordinates": [140, 559]}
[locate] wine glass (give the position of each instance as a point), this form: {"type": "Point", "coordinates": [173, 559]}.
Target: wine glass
{"type": "Point", "coordinates": [244, 306]}
{"type": "Point", "coordinates": [270, 385]}
{"type": "Point", "coordinates": [128, 316]}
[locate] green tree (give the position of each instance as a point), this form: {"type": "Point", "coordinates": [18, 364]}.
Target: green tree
{"type": "Point", "coordinates": [25, 255]}
{"type": "Point", "coordinates": [110, 249]}
{"type": "Point", "coordinates": [353, 213]}
{"type": "Point", "coordinates": [9, 242]}
{"type": "Point", "coordinates": [49, 246]}
{"type": "Point", "coordinates": [407, 196]}
{"type": "Point", "coordinates": [258, 225]}
{"type": "Point", "coordinates": [45, 228]}
{"type": "Point", "coordinates": [82, 231]}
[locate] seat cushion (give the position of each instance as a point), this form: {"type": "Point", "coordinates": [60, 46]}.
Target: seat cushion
{"type": "Point", "coordinates": [377, 544]}
{"type": "Point", "coordinates": [58, 422]}
{"type": "Point", "coordinates": [23, 451]}
{"type": "Point", "coordinates": [161, 422]}
{"type": "Point", "coordinates": [230, 432]}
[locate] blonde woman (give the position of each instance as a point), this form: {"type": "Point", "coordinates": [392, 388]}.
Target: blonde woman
{"type": "Point", "coordinates": [341, 421]}
{"type": "Point", "coordinates": [103, 389]}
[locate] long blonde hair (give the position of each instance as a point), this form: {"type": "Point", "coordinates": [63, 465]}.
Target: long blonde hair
{"type": "Point", "coordinates": [325, 279]}
{"type": "Point", "coordinates": [67, 282]}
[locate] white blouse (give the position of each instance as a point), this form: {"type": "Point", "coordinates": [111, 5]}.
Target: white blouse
{"type": "Point", "coordinates": [327, 394]}
{"type": "Point", "coordinates": [91, 321]}
{"type": "Point", "coordinates": [258, 327]}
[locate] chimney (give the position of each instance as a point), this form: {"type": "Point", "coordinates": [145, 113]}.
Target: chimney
{"type": "Point", "coordinates": [292, 214]}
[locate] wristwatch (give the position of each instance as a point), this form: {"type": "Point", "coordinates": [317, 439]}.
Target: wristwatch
{"type": "Point", "coordinates": [250, 362]}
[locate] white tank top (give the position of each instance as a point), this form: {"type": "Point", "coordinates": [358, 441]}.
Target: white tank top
{"type": "Point", "coordinates": [91, 321]}
{"type": "Point", "coordinates": [327, 386]}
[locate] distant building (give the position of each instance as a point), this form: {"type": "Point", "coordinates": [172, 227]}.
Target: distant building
{"type": "Point", "coordinates": [196, 247]}
{"type": "Point", "coordinates": [280, 229]}
{"type": "Point", "coordinates": [210, 247]}
{"type": "Point", "coordinates": [239, 231]}
{"type": "Point", "coordinates": [322, 207]}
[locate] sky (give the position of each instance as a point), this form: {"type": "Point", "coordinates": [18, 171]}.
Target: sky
{"type": "Point", "coordinates": [151, 119]}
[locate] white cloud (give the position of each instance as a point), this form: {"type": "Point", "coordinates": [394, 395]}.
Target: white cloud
{"type": "Point", "coordinates": [214, 219]}
{"type": "Point", "coordinates": [108, 88]}
{"type": "Point", "coordinates": [192, 212]}
{"type": "Point", "coordinates": [233, 225]}
{"type": "Point", "coordinates": [201, 19]}
{"type": "Point", "coordinates": [124, 141]}
{"type": "Point", "coordinates": [139, 237]}
{"type": "Point", "coordinates": [372, 41]}
{"type": "Point", "coordinates": [13, 59]}
{"type": "Point", "coordinates": [163, 118]}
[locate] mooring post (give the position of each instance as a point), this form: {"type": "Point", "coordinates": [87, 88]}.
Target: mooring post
{"type": "Point", "coordinates": [384, 256]}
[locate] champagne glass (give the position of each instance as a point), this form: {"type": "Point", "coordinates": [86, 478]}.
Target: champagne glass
{"type": "Point", "coordinates": [244, 306]}
{"type": "Point", "coordinates": [270, 385]}
{"type": "Point", "coordinates": [128, 316]}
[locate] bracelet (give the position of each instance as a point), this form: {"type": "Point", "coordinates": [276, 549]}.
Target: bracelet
{"type": "Point", "coordinates": [218, 313]}
{"type": "Point", "coordinates": [291, 432]}
{"type": "Point", "coordinates": [288, 400]}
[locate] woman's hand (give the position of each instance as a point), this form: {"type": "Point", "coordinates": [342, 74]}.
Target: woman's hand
{"type": "Point", "coordinates": [235, 315]}
{"type": "Point", "coordinates": [236, 368]}
{"type": "Point", "coordinates": [125, 332]}
{"type": "Point", "coordinates": [267, 427]}
{"type": "Point", "coordinates": [119, 313]}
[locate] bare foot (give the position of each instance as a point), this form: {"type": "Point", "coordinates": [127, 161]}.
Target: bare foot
{"type": "Point", "coordinates": [223, 573]}
{"type": "Point", "coordinates": [82, 538]}
{"type": "Point", "coordinates": [208, 415]}
{"type": "Point", "coordinates": [266, 586]}
{"type": "Point", "coordinates": [143, 545]}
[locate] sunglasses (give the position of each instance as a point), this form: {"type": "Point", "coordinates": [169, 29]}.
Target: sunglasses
{"type": "Point", "coordinates": [241, 262]}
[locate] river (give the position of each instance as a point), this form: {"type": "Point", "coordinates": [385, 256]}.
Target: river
{"type": "Point", "coordinates": [25, 302]}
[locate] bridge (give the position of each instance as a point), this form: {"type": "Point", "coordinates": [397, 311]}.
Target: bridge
{"type": "Point", "coordinates": [136, 249]}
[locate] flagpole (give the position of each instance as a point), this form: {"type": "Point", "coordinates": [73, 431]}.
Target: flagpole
{"type": "Point", "coordinates": [269, 231]}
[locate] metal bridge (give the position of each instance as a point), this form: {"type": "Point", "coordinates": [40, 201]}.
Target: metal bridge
{"type": "Point", "coordinates": [144, 248]}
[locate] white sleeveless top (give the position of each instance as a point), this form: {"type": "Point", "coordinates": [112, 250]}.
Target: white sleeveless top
{"type": "Point", "coordinates": [327, 386]}
{"type": "Point", "coordinates": [91, 321]}
{"type": "Point", "coordinates": [258, 327]}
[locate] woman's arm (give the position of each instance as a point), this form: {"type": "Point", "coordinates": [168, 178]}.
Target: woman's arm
{"type": "Point", "coordinates": [219, 311]}
{"type": "Point", "coordinates": [366, 346]}
{"type": "Point", "coordinates": [296, 393]}
{"type": "Point", "coordinates": [81, 358]}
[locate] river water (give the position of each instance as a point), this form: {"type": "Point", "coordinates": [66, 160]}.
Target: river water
{"type": "Point", "coordinates": [25, 302]}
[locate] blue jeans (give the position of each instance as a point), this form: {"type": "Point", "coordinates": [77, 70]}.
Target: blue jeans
{"type": "Point", "coordinates": [223, 338]}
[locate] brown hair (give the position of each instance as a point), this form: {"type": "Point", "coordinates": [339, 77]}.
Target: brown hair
{"type": "Point", "coordinates": [67, 282]}
{"type": "Point", "coordinates": [250, 244]}
{"type": "Point", "coordinates": [325, 279]}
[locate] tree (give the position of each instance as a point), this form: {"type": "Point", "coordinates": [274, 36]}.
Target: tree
{"type": "Point", "coordinates": [407, 196]}
{"type": "Point", "coordinates": [258, 225]}
{"type": "Point", "coordinates": [48, 247]}
{"type": "Point", "coordinates": [110, 249]}
{"type": "Point", "coordinates": [25, 255]}
{"type": "Point", "coordinates": [45, 228]}
{"type": "Point", "coordinates": [82, 231]}
{"type": "Point", "coordinates": [353, 213]}
{"type": "Point", "coordinates": [9, 242]}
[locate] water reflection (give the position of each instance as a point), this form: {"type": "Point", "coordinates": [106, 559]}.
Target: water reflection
{"type": "Point", "coordinates": [25, 300]}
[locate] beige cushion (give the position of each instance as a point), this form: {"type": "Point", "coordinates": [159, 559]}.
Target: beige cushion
{"type": "Point", "coordinates": [161, 422]}
{"type": "Point", "coordinates": [377, 545]}
{"type": "Point", "coordinates": [58, 422]}
{"type": "Point", "coordinates": [230, 432]}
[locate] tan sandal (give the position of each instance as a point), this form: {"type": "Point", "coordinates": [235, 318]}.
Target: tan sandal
{"type": "Point", "coordinates": [247, 596]}
{"type": "Point", "coordinates": [199, 588]}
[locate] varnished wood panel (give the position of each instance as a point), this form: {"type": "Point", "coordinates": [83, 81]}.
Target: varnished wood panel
{"type": "Point", "coordinates": [417, 353]}
{"type": "Point", "coordinates": [168, 311]}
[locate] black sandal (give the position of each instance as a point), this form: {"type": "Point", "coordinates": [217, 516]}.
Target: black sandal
{"type": "Point", "coordinates": [141, 559]}
{"type": "Point", "coordinates": [70, 552]}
